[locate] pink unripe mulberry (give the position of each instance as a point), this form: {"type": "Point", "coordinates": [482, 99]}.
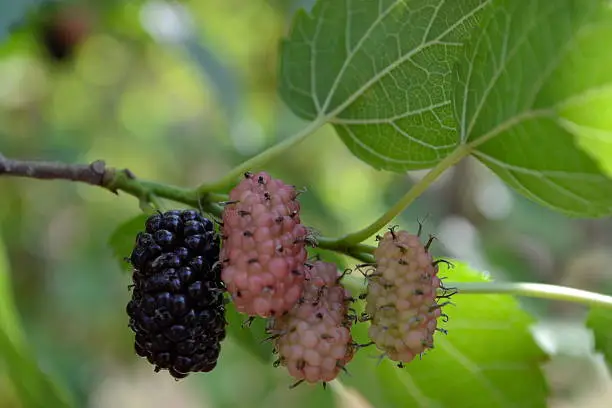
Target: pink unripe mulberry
{"type": "Point", "coordinates": [263, 250]}
{"type": "Point", "coordinates": [313, 340]}
{"type": "Point", "coordinates": [401, 300]}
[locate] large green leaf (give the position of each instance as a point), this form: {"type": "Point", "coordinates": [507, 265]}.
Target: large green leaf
{"type": "Point", "coordinates": [533, 99]}
{"type": "Point", "coordinates": [600, 322]}
{"type": "Point", "coordinates": [35, 387]}
{"type": "Point", "coordinates": [380, 72]}
{"type": "Point", "coordinates": [488, 359]}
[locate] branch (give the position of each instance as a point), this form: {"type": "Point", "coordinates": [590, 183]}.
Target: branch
{"type": "Point", "coordinates": [112, 179]}
{"type": "Point", "coordinates": [94, 173]}
{"type": "Point", "coordinates": [115, 180]}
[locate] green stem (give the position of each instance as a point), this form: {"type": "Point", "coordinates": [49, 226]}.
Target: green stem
{"type": "Point", "coordinates": [144, 190]}
{"type": "Point", "coordinates": [339, 246]}
{"type": "Point", "coordinates": [419, 188]}
{"type": "Point", "coordinates": [149, 192]}
{"type": "Point", "coordinates": [153, 203]}
{"type": "Point", "coordinates": [217, 197]}
{"type": "Point", "coordinates": [361, 256]}
{"type": "Point", "coordinates": [534, 290]}
{"type": "Point", "coordinates": [224, 183]}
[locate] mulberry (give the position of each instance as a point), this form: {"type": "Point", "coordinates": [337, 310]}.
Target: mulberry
{"type": "Point", "coordinates": [177, 310]}
{"type": "Point", "coordinates": [314, 340]}
{"type": "Point", "coordinates": [62, 31]}
{"type": "Point", "coordinates": [401, 298]}
{"type": "Point", "coordinates": [263, 250]}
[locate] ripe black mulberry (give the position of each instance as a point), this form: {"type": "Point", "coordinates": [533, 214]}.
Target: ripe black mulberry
{"type": "Point", "coordinates": [177, 310]}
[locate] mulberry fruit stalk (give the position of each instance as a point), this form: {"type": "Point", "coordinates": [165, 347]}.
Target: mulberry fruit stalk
{"type": "Point", "coordinates": [401, 297]}
{"type": "Point", "coordinates": [263, 250]}
{"type": "Point", "coordinates": [313, 340]}
{"type": "Point", "coordinates": [177, 310]}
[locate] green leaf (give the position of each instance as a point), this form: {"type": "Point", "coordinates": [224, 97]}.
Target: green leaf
{"type": "Point", "coordinates": [599, 321]}
{"type": "Point", "coordinates": [380, 72]}
{"type": "Point", "coordinates": [122, 239]}
{"type": "Point", "coordinates": [251, 337]}
{"type": "Point", "coordinates": [533, 100]}
{"type": "Point", "coordinates": [35, 387]}
{"type": "Point", "coordinates": [9, 320]}
{"type": "Point", "coordinates": [488, 359]}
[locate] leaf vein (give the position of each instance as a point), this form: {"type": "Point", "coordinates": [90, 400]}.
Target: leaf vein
{"type": "Point", "coordinates": [498, 72]}
{"type": "Point", "coordinates": [367, 148]}
{"type": "Point", "coordinates": [313, 60]}
{"type": "Point", "coordinates": [543, 173]}
{"type": "Point", "coordinates": [473, 369]}
{"type": "Point", "coordinates": [351, 55]}
{"type": "Point", "coordinates": [377, 121]}
{"type": "Point", "coordinates": [416, 140]}
{"type": "Point", "coordinates": [403, 58]}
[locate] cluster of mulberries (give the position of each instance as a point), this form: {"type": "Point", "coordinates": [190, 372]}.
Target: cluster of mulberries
{"type": "Point", "coordinates": [181, 271]}
{"type": "Point", "coordinates": [314, 339]}
{"type": "Point", "coordinates": [177, 310]}
{"type": "Point", "coordinates": [401, 299]}
{"type": "Point", "coordinates": [264, 243]}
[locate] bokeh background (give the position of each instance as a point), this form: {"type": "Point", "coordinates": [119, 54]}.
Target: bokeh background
{"type": "Point", "coordinates": [181, 93]}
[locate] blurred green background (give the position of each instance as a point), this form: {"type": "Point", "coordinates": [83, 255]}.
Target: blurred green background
{"type": "Point", "coordinates": [181, 94]}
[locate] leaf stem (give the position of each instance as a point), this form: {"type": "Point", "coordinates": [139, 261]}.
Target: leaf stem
{"type": "Point", "coordinates": [233, 175]}
{"type": "Point", "coordinates": [534, 290]}
{"type": "Point", "coordinates": [339, 246]}
{"type": "Point", "coordinates": [361, 256]}
{"type": "Point", "coordinates": [524, 289]}
{"type": "Point", "coordinates": [419, 188]}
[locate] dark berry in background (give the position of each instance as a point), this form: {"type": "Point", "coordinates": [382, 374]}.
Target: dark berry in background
{"type": "Point", "coordinates": [177, 308]}
{"type": "Point", "coordinates": [63, 30]}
